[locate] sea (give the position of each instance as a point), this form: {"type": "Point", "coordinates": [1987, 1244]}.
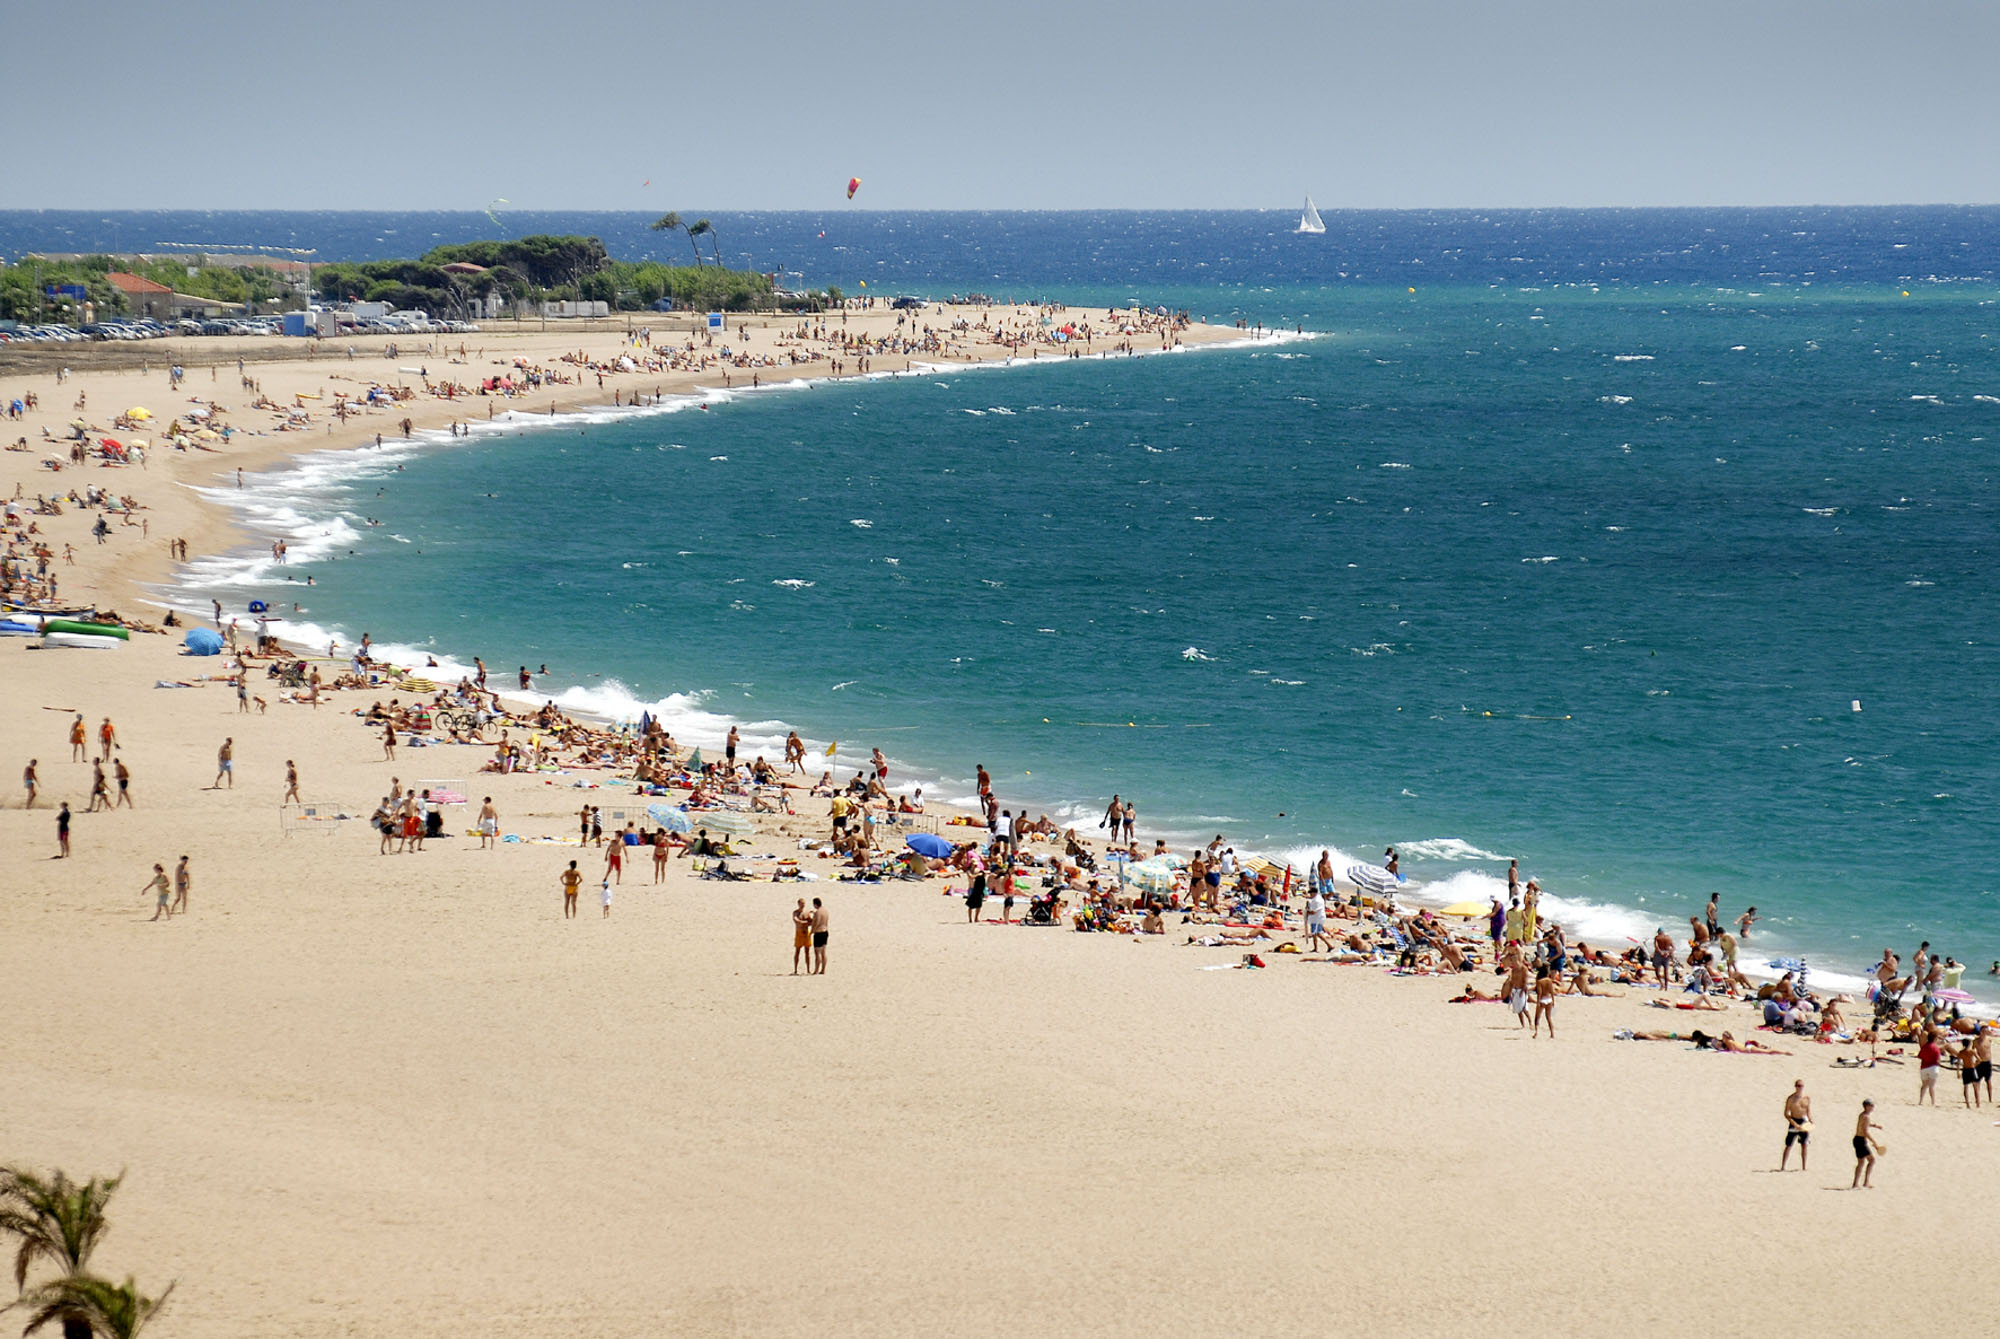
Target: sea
{"type": "Point", "coordinates": [1653, 548]}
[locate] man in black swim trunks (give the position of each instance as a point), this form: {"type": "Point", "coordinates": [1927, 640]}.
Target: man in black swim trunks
{"type": "Point", "coordinates": [1865, 1149]}
{"type": "Point", "coordinates": [1798, 1124]}
{"type": "Point", "coordinates": [819, 938]}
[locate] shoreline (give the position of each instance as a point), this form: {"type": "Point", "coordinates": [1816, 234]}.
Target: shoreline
{"type": "Point", "coordinates": [284, 456]}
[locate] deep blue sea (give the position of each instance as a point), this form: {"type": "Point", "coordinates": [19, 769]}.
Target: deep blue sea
{"type": "Point", "coordinates": [1574, 536]}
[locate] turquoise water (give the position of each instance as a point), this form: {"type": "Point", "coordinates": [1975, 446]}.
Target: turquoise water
{"type": "Point", "coordinates": [1590, 574]}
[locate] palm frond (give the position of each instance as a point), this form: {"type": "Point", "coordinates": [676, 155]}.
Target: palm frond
{"type": "Point", "coordinates": [113, 1310]}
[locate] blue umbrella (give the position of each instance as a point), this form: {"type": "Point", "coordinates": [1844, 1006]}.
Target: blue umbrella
{"type": "Point", "coordinates": [669, 817]}
{"type": "Point", "coordinates": [203, 642]}
{"type": "Point", "coordinates": [930, 844]}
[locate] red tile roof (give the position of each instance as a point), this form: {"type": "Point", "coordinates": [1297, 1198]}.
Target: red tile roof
{"type": "Point", "coordinates": [132, 283]}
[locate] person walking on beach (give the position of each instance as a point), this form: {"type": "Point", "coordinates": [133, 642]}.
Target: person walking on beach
{"type": "Point", "coordinates": [607, 899]}
{"type": "Point", "coordinates": [31, 781]}
{"type": "Point", "coordinates": [1114, 817]}
{"type": "Point", "coordinates": [291, 782]}
{"type": "Point", "coordinates": [1517, 987]}
{"type": "Point", "coordinates": [1316, 935]}
{"type": "Point", "coordinates": [801, 937]}
{"type": "Point", "coordinates": [819, 933]}
{"type": "Point", "coordinates": [572, 879]}
{"type": "Point", "coordinates": [1713, 916]}
{"type": "Point", "coordinates": [795, 752]}
{"type": "Point", "coordinates": [489, 824]}
{"type": "Point", "coordinates": [100, 795]}
{"type": "Point", "coordinates": [124, 775]}
{"type": "Point", "coordinates": [1545, 1002]}
{"type": "Point", "coordinates": [1798, 1124]}
{"type": "Point", "coordinates": [62, 832]}
{"type": "Point", "coordinates": [225, 764]}
{"type": "Point", "coordinates": [183, 882]}
{"type": "Point", "coordinates": [1131, 823]}
{"type": "Point", "coordinates": [1866, 1148]}
{"type": "Point", "coordinates": [614, 860]}
{"type": "Point", "coordinates": [162, 907]}
{"type": "Point", "coordinates": [78, 733]}
{"type": "Point", "coordinates": [107, 737]}
{"type": "Point", "coordinates": [389, 742]}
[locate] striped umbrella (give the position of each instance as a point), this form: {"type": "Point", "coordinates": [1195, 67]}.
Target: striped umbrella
{"type": "Point", "coordinates": [728, 822]}
{"type": "Point", "coordinates": [1372, 879]}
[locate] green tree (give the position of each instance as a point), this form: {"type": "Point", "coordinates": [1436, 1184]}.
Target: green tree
{"type": "Point", "coordinates": [58, 1223]}
{"type": "Point", "coordinates": [698, 228]}
{"type": "Point", "coordinates": [671, 222]}
{"type": "Point", "coordinates": [103, 1309]}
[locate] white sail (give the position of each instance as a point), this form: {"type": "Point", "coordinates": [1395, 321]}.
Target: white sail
{"type": "Point", "coordinates": [1309, 218]}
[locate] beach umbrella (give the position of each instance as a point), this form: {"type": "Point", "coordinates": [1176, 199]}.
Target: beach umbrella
{"type": "Point", "coordinates": [1153, 875]}
{"type": "Point", "coordinates": [1372, 879]}
{"type": "Point", "coordinates": [203, 642]}
{"type": "Point", "coordinates": [728, 822]}
{"type": "Point", "coordinates": [138, 413]}
{"type": "Point", "coordinates": [929, 844]}
{"type": "Point", "coordinates": [1952, 995]}
{"type": "Point", "coordinates": [670, 817]}
{"type": "Point", "coordinates": [1469, 910]}
{"type": "Point", "coordinates": [111, 442]}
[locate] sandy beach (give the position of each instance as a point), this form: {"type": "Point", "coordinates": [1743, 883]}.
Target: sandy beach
{"type": "Point", "coordinates": [369, 1094]}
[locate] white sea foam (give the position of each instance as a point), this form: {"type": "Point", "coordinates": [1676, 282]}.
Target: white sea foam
{"type": "Point", "coordinates": [1614, 399]}
{"type": "Point", "coordinates": [794, 583]}
{"type": "Point", "coordinates": [1445, 848]}
{"type": "Point", "coordinates": [1195, 653]}
{"type": "Point", "coordinates": [1631, 357]}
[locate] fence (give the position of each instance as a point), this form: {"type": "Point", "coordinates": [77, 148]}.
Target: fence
{"type": "Point", "coordinates": [320, 818]}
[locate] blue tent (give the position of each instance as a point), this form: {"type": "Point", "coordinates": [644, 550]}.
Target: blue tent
{"type": "Point", "coordinates": [203, 642]}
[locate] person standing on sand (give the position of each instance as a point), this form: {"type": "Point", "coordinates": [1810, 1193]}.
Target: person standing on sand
{"type": "Point", "coordinates": [819, 934]}
{"type": "Point", "coordinates": [1316, 935]}
{"type": "Point", "coordinates": [729, 747]}
{"type": "Point", "coordinates": [1545, 1002]}
{"type": "Point", "coordinates": [1131, 823]}
{"type": "Point", "coordinates": [572, 879]}
{"type": "Point", "coordinates": [78, 733]}
{"type": "Point", "coordinates": [1982, 1046]}
{"type": "Point", "coordinates": [389, 742]}
{"type": "Point", "coordinates": [1866, 1148]}
{"type": "Point", "coordinates": [801, 937]}
{"type": "Point", "coordinates": [1517, 988]}
{"type": "Point", "coordinates": [795, 752]}
{"type": "Point", "coordinates": [1930, 1057]}
{"type": "Point", "coordinates": [1713, 915]}
{"type": "Point", "coordinates": [607, 899]}
{"type": "Point", "coordinates": [489, 824]}
{"type": "Point", "coordinates": [1968, 1073]}
{"type": "Point", "coordinates": [158, 885]}
{"type": "Point", "coordinates": [183, 882]}
{"type": "Point", "coordinates": [1513, 879]}
{"type": "Point", "coordinates": [225, 764]}
{"type": "Point", "coordinates": [1798, 1124]}
{"type": "Point", "coordinates": [62, 832]}
{"type": "Point", "coordinates": [124, 775]}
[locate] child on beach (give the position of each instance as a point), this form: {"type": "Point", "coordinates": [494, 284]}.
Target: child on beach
{"type": "Point", "coordinates": [1866, 1149]}
{"type": "Point", "coordinates": [607, 899]}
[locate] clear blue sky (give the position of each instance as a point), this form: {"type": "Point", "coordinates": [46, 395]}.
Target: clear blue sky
{"type": "Point", "coordinates": [978, 104]}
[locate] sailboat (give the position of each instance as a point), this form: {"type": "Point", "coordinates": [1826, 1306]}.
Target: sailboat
{"type": "Point", "coordinates": [1309, 218]}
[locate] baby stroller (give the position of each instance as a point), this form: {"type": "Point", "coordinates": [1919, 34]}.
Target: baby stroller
{"type": "Point", "coordinates": [1042, 909]}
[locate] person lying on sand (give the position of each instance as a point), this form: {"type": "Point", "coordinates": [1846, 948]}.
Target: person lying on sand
{"type": "Point", "coordinates": [1580, 984]}
{"type": "Point", "coordinates": [1700, 1002]}
{"type": "Point", "coordinates": [1473, 995]}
